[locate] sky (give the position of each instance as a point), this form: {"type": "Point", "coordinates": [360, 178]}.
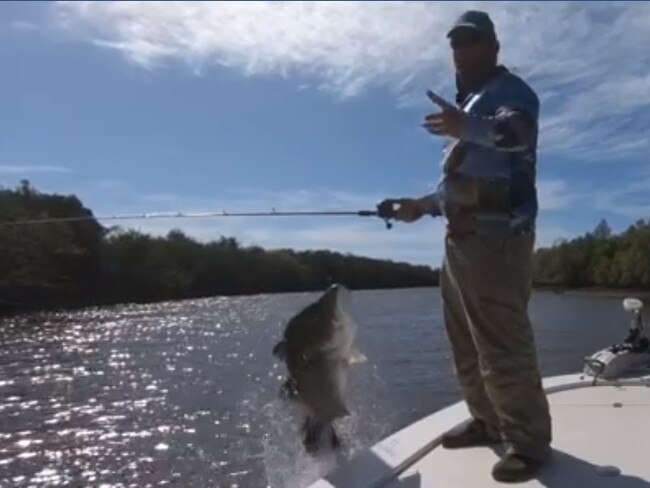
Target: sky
{"type": "Point", "coordinates": [252, 106]}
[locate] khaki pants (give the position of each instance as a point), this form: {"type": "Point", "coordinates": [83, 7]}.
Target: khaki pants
{"type": "Point", "coordinates": [485, 284]}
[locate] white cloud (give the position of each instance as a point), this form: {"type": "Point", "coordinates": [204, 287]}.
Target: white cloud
{"type": "Point", "coordinates": [631, 200]}
{"type": "Point", "coordinates": [247, 200]}
{"type": "Point", "coordinates": [19, 170]}
{"type": "Point", "coordinates": [548, 233]}
{"type": "Point", "coordinates": [22, 25]}
{"type": "Point", "coordinates": [554, 194]}
{"type": "Point", "coordinates": [110, 185]}
{"type": "Point", "coordinates": [587, 59]}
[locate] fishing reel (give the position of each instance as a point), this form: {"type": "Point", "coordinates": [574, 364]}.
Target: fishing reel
{"type": "Point", "coordinates": [386, 210]}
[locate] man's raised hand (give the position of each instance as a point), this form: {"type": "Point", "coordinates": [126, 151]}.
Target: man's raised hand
{"type": "Point", "coordinates": [449, 122]}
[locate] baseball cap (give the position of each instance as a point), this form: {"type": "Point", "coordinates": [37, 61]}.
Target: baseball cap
{"type": "Point", "coordinates": [475, 20]}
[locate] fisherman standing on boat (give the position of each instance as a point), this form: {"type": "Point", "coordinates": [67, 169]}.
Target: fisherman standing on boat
{"type": "Point", "coordinates": [488, 196]}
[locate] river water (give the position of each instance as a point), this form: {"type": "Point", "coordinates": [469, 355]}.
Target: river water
{"type": "Point", "coordinates": [185, 393]}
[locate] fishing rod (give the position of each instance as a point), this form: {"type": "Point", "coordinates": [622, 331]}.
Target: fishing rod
{"type": "Point", "coordinates": [383, 211]}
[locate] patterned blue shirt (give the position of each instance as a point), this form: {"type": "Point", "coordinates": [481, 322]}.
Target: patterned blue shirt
{"type": "Point", "coordinates": [492, 168]}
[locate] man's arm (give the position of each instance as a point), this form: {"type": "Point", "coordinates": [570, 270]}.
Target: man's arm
{"type": "Point", "coordinates": [431, 204]}
{"type": "Point", "coordinates": [514, 125]}
{"type": "Point", "coordinates": [510, 130]}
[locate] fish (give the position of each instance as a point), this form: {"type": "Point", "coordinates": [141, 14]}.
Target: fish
{"type": "Point", "coordinates": [317, 349]}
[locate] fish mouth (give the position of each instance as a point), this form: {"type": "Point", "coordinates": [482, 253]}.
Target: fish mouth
{"type": "Point", "coordinates": [344, 305]}
{"type": "Point", "coordinates": [343, 296]}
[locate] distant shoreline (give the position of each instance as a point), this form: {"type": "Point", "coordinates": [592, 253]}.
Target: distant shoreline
{"type": "Point", "coordinates": [7, 310]}
{"type": "Point", "coordinates": [643, 295]}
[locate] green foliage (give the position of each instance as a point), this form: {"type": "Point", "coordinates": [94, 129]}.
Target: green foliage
{"type": "Point", "coordinates": [78, 263]}
{"type": "Point", "coordinates": [47, 263]}
{"type": "Point", "coordinates": [598, 258]}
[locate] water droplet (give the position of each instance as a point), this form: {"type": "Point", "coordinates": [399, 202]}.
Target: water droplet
{"type": "Point", "coordinates": [161, 447]}
{"type": "Point", "coordinates": [25, 443]}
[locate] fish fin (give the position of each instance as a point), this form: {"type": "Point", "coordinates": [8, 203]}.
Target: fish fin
{"type": "Point", "coordinates": [356, 357]}
{"type": "Point", "coordinates": [280, 349]}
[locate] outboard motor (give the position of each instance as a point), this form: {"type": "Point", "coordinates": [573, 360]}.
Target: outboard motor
{"type": "Point", "coordinates": [627, 357]}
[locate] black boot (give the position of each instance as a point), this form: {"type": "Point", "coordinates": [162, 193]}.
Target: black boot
{"type": "Point", "coordinates": [475, 433]}
{"type": "Point", "coordinates": [516, 468]}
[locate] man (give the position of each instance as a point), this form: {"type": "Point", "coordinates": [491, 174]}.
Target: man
{"type": "Point", "coordinates": [488, 196]}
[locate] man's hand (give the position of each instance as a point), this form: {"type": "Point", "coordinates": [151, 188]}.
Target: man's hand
{"type": "Point", "coordinates": [450, 122]}
{"type": "Point", "coordinates": [409, 209]}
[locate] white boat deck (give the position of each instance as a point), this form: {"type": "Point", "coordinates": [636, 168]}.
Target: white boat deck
{"type": "Point", "coordinates": [601, 438]}
{"type": "Point", "coordinates": [592, 428]}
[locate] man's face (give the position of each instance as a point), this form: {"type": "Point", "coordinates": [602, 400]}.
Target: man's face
{"type": "Point", "coordinates": [474, 53]}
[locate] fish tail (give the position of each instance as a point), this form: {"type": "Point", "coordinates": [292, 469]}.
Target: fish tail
{"type": "Point", "coordinates": [319, 435]}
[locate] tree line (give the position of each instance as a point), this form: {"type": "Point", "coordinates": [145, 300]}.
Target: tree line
{"type": "Point", "coordinates": [63, 264]}
{"type": "Point", "coordinates": [598, 259]}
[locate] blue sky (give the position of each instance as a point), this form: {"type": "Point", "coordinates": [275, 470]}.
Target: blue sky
{"type": "Point", "coordinates": [139, 107]}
